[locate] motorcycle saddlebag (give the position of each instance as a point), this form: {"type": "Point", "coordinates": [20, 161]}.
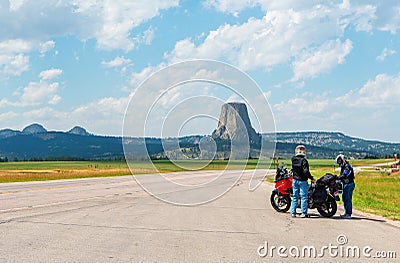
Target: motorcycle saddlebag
{"type": "Point", "coordinates": [327, 179]}
{"type": "Point", "coordinates": [319, 194]}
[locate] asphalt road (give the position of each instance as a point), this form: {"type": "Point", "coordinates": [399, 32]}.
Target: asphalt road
{"type": "Point", "coordinates": [115, 220]}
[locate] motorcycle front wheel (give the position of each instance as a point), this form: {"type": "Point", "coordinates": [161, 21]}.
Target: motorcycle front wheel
{"type": "Point", "coordinates": [328, 208]}
{"type": "Point", "coordinates": [280, 203]}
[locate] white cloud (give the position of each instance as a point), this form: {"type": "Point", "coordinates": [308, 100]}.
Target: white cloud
{"type": "Point", "coordinates": [41, 115]}
{"type": "Point", "coordinates": [117, 62]}
{"type": "Point", "coordinates": [267, 94]}
{"type": "Point", "coordinates": [383, 91]}
{"type": "Point", "coordinates": [289, 30]}
{"type": "Point", "coordinates": [301, 107]}
{"type": "Point", "coordinates": [364, 17]}
{"type": "Point", "coordinates": [46, 46]}
{"type": "Point", "coordinates": [7, 117]}
{"type": "Point", "coordinates": [138, 77]}
{"type": "Point", "coordinates": [148, 36]}
{"type": "Point", "coordinates": [379, 93]}
{"type": "Point", "coordinates": [363, 112]}
{"type": "Point", "coordinates": [388, 13]}
{"type": "Point", "coordinates": [277, 38]}
{"type": "Point", "coordinates": [118, 18]}
{"type": "Point", "coordinates": [236, 6]}
{"type": "Point", "coordinates": [104, 116]}
{"type": "Point", "coordinates": [16, 4]}
{"type": "Point", "coordinates": [49, 117]}
{"type": "Point", "coordinates": [13, 46]}
{"type": "Point", "coordinates": [315, 61]}
{"type": "Point", "coordinates": [55, 99]}
{"type": "Point", "coordinates": [15, 65]}
{"type": "Point", "coordinates": [12, 59]}
{"type": "Point", "coordinates": [104, 107]}
{"type": "Point", "coordinates": [4, 103]}
{"type": "Point", "coordinates": [364, 14]}
{"type": "Point", "coordinates": [109, 22]}
{"type": "Point", "coordinates": [50, 74]}
{"type": "Point", "coordinates": [385, 53]}
{"type": "Point", "coordinates": [229, 6]}
{"type": "Point", "coordinates": [37, 93]}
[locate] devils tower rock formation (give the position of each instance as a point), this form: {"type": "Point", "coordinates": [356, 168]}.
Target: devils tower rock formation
{"type": "Point", "coordinates": [234, 124]}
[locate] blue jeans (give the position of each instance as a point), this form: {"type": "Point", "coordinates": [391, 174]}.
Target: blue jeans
{"type": "Point", "coordinates": [347, 197]}
{"type": "Point", "coordinates": [300, 187]}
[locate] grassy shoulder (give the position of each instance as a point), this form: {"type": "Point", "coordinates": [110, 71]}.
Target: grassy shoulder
{"type": "Point", "coordinates": [378, 193]}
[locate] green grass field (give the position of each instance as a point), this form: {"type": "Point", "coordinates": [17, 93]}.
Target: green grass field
{"type": "Point", "coordinates": [37, 171]}
{"type": "Point", "coordinates": [168, 166]}
{"type": "Point", "coordinates": [378, 193]}
{"type": "Point", "coordinates": [59, 165]}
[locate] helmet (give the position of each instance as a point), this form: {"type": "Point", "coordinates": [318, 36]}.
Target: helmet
{"type": "Point", "coordinates": [341, 158]}
{"type": "Point", "coordinates": [300, 150]}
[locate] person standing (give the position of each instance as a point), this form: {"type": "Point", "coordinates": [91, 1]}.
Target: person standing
{"type": "Point", "coordinates": [301, 174]}
{"type": "Point", "coordinates": [347, 178]}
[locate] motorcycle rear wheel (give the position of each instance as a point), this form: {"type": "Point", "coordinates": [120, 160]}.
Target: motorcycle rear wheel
{"type": "Point", "coordinates": [280, 203]}
{"type": "Point", "coordinates": [328, 208]}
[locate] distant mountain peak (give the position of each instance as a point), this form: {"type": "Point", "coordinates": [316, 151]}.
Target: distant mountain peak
{"type": "Point", "coordinates": [34, 128]}
{"type": "Point", "coordinates": [78, 130]}
{"type": "Point", "coordinates": [5, 133]}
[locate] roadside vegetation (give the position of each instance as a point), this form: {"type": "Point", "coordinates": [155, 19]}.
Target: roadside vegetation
{"type": "Point", "coordinates": [378, 193]}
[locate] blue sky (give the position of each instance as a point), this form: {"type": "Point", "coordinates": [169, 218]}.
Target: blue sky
{"type": "Point", "coordinates": [323, 65]}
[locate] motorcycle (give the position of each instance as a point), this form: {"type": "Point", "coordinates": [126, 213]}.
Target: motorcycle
{"type": "Point", "coordinates": [322, 194]}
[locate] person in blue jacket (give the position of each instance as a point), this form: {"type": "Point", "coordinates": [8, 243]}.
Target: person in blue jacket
{"type": "Point", "coordinates": [347, 178]}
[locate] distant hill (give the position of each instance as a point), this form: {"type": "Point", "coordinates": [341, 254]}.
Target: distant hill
{"type": "Point", "coordinates": [8, 133]}
{"type": "Point", "coordinates": [34, 129]}
{"type": "Point", "coordinates": [35, 142]}
{"type": "Point", "coordinates": [57, 144]}
{"type": "Point", "coordinates": [77, 130]}
{"type": "Point", "coordinates": [324, 142]}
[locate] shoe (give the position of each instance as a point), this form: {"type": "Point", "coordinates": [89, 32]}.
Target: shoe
{"type": "Point", "coordinates": [293, 215]}
{"type": "Point", "coordinates": [305, 216]}
{"type": "Point", "coordinates": [345, 216]}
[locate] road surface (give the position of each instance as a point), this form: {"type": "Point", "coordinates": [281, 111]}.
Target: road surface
{"type": "Point", "coordinates": [114, 220]}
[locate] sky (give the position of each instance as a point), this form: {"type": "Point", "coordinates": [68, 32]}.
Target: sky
{"type": "Point", "coordinates": [322, 65]}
